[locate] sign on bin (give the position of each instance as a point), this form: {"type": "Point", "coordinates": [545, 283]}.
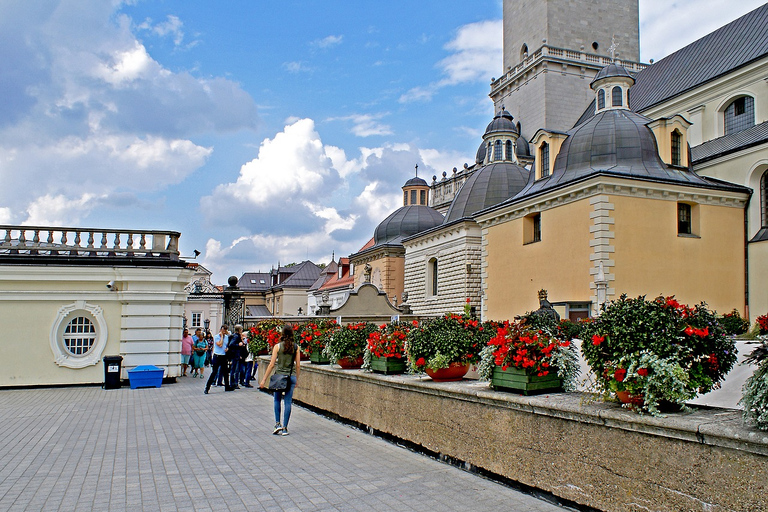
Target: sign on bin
{"type": "Point", "coordinates": [113, 368]}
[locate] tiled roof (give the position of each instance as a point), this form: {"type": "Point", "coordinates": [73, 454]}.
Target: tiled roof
{"type": "Point", "coordinates": [252, 281]}
{"type": "Point", "coordinates": [304, 276]}
{"type": "Point", "coordinates": [727, 48]}
{"type": "Point", "coordinates": [714, 148]}
{"type": "Point", "coordinates": [327, 273]}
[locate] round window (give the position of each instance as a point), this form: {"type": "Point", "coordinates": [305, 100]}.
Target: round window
{"type": "Point", "coordinates": [79, 336]}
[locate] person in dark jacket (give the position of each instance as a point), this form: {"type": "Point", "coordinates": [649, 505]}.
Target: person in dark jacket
{"type": "Point", "coordinates": [236, 344]}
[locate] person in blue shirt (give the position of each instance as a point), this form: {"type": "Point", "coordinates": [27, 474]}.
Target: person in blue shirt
{"type": "Point", "coordinates": [220, 363]}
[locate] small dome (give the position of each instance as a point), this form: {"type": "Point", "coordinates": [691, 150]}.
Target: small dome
{"type": "Point", "coordinates": [405, 222]}
{"type": "Point", "coordinates": [480, 157]}
{"type": "Point", "coordinates": [502, 123]}
{"type": "Point", "coordinates": [612, 70]}
{"type": "Point", "coordinates": [488, 186]}
{"type": "Point", "coordinates": [416, 182]}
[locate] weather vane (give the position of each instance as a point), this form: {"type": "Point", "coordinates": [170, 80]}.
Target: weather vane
{"type": "Point", "coordinates": [613, 47]}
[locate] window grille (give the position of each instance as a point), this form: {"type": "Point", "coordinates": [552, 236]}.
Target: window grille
{"type": "Point", "coordinates": [79, 336]}
{"type": "Point", "coordinates": [600, 99]}
{"type": "Point", "coordinates": [739, 115]}
{"type": "Point", "coordinates": [537, 228]}
{"type": "Point", "coordinates": [616, 97]}
{"type": "Point", "coordinates": [544, 153]}
{"type": "Point", "coordinates": [509, 150]}
{"type": "Point", "coordinates": [676, 141]}
{"type": "Point", "coordinates": [423, 197]}
{"type": "Point", "coordinates": [497, 151]}
{"type": "Point", "coordinates": [683, 219]}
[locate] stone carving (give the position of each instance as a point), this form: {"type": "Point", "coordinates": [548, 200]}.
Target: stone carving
{"type": "Point", "coordinates": [545, 307]}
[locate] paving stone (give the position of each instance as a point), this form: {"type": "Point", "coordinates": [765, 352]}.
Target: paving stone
{"type": "Point", "coordinates": [173, 448]}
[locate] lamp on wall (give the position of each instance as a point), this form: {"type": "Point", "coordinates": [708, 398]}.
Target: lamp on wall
{"type": "Point", "coordinates": [207, 323]}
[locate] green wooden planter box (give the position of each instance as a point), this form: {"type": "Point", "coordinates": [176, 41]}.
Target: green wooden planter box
{"type": "Point", "coordinates": [387, 365]}
{"type": "Point", "coordinates": [514, 379]}
{"type": "Point", "coordinates": [317, 357]}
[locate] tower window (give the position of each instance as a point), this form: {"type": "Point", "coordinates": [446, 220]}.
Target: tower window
{"type": "Point", "coordinates": [616, 96]}
{"type": "Point", "coordinates": [676, 142]}
{"type": "Point", "coordinates": [423, 197]}
{"type": "Point", "coordinates": [544, 155]}
{"type": "Point", "coordinates": [489, 152]}
{"type": "Point", "coordinates": [683, 219]}
{"type": "Point", "coordinates": [509, 150]}
{"type": "Point", "coordinates": [497, 151]}
{"type": "Point", "coordinates": [405, 198]}
{"type": "Point", "coordinates": [413, 197]}
{"type": "Point", "coordinates": [600, 99]}
{"type": "Point", "coordinates": [739, 115]}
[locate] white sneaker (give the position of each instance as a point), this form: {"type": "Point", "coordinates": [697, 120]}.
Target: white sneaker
{"type": "Point", "coordinates": [284, 432]}
{"type": "Point", "coordinates": [278, 429]}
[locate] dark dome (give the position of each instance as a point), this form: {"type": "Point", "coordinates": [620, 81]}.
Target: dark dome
{"type": "Point", "coordinates": [502, 122]}
{"type": "Point", "coordinates": [612, 70]}
{"type": "Point", "coordinates": [488, 186]}
{"type": "Point", "coordinates": [415, 182]}
{"type": "Point", "coordinates": [405, 222]}
{"type": "Point", "coordinates": [616, 142]}
{"type": "Point", "coordinates": [480, 157]}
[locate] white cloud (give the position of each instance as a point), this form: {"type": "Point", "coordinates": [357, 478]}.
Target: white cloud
{"type": "Point", "coordinates": [476, 55]}
{"type": "Point", "coordinates": [328, 42]}
{"type": "Point", "coordinates": [444, 160]}
{"type": "Point", "coordinates": [295, 66]}
{"type": "Point", "coordinates": [59, 210]}
{"type": "Point", "coordinates": [365, 125]}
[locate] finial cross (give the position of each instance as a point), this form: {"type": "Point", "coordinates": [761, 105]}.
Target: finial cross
{"type": "Point", "coordinates": [613, 47]}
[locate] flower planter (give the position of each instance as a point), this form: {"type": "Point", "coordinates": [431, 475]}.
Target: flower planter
{"type": "Point", "coordinates": [514, 379]}
{"type": "Point", "coordinates": [454, 372]}
{"type": "Point", "coordinates": [387, 365]}
{"type": "Point", "coordinates": [627, 398]}
{"type": "Point", "coordinates": [350, 363]}
{"type": "Point", "coordinates": [317, 357]}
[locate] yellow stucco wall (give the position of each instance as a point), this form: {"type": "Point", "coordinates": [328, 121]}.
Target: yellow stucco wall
{"type": "Point", "coordinates": [758, 277]}
{"type": "Point", "coordinates": [652, 259]}
{"type": "Point", "coordinates": [387, 273]}
{"type": "Point", "coordinates": [558, 263]}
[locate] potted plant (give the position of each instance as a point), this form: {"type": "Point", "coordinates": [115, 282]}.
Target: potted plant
{"type": "Point", "coordinates": [529, 359]}
{"type": "Point", "coordinates": [656, 352]}
{"type": "Point", "coordinates": [346, 345]}
{"type": "Point", "coordinates": [385, 350]}
{"type": "Point", "coordinates": [733, 323]}
{"type": "Point", "coordinates": [754, 397]}
{"type": "Point", "coordinates": [264, 335]}
{"type": "Point", "coordinates": [444, 347]}
{"type": "Point", "coordinates": [313, 337]}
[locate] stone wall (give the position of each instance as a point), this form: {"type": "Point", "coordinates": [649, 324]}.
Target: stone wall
{"type": "Point", "coordinates": [594, 454]}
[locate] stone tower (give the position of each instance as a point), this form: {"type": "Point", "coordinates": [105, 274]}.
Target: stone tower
{"type": "Point", "coordinates": [552, 51]}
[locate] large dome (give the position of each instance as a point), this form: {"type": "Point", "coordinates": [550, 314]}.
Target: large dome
{"type": "Point", "coordinates": [488, 186]}
{"type": "Point", "coordinates": [405, 222]}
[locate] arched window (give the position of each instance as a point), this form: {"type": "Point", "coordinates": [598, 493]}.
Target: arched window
{"type": "Point", "coordinates": [616, 96]}
{"type": "Point", "coordinates": [601, 99]}
{"type": "Point", "coordinates": [497, 151]}
{"type": "Point", "coordinates": [544, 156]}
{"type": "Point", "coordinates": [764, 199]}
{"type": "Point", "coordinates": [432, 277]}
{"type": "Point", "coordinates": [676, 141]}
{"type": "Point", "coordinates": [489, 152]}
{"type": "Point", "coordinates": [739, 115]}
{"type": "Point", "coordinates": [509, 150]}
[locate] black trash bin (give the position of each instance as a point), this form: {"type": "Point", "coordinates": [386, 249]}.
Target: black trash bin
{"type": "Point", "coordinates": [112, 371]}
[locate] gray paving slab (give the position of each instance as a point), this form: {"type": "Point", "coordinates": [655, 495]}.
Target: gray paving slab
{"type": "Point", "coordinates": [173, 448]}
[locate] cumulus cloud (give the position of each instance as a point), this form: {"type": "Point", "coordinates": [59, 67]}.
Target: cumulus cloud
{"type": "Point", "coordinates": [85, 104]}
{"type": "Point", "coordinates": [476, 54]}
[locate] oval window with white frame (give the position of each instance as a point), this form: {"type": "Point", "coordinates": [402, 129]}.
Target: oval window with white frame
{"type": "Point", "coordinates": [78, 335]}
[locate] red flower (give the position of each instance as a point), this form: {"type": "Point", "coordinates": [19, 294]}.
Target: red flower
{"type": "Point", "coordinates": [420, 362]}
{"type": "Point", "coordinates": [688, 331]}
{"type": "Point", "coordinates": [643, 372]}
{"type": "Point", "coordinates": [467, 300]}
{"type": "Point", "coordinates": [620, 374]}
{"type": "Point", "coordinates": [596, 340]}
{"type": "Point", "coordinates": [415, 323]}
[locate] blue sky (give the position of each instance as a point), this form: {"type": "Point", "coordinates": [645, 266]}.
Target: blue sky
{"type": "Point", "coordinates": [263, 131]}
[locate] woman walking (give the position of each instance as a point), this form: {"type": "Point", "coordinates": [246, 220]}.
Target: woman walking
{"type": "Point", "coordinates": [198, 357]}
{"type": "Point", "coordinates": [287, 357]}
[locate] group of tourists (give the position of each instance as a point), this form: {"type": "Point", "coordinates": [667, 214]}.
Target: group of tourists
{"type": "Point", "coordinates": [233, 365]}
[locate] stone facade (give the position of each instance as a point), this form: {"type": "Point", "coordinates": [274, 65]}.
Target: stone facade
{"type": "Point", "coordinates": [459, 256]}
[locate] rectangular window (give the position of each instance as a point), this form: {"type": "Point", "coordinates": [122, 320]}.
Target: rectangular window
{"type": "Point", "coordinates": [532, 228]}
{"type": "Point", "coordinates": [197, 318]}
{"type": "Point", "coordinates": [405, 198]}
{"type": "Point", "coordinates": [413, 197]}
{"type": "Point", "coordinates": [537, 227]}
{"type": "Point", "coordinates": [676, 148]}
{"type": "Point", "coordinates": [423, 198]}
{"type": "Point", "coordinates": [544, 160]}
{"type": "Point", "coordinates": [683, 219]}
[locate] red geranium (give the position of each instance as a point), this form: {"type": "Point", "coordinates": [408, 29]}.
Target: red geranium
{"type": "Point", "coordinates": [596, 340]}
{"type": "Point", "coordinates": [620, 374]}
{"type": "Point", "coordinates": [388, 340]}
{"type": "Point", "coordinates": [643, 372]}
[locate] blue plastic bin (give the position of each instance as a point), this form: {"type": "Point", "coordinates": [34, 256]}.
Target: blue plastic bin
{"type": "Point", "coordinates": [146, 376]}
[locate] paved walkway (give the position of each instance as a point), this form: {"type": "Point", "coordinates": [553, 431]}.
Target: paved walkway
{"type": "Point", "coordinates": [174, 448]}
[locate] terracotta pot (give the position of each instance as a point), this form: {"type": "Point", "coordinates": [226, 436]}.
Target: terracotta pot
{"type": "Point", "coordinates": [350, 363]}
{"type": "Point", "coordinates": [627, 398]}
{"type": "Point", "coordinates": [456, 371]}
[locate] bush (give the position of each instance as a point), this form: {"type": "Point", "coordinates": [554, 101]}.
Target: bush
{"type": "Point", "coordinates": [733, 323]}
{"type": "Point", "coordinates": [755, 391]}
{"type": "Point", "coordinates": [348, 341]}
{"type": "Point", "coordinates": [660, 349]}
{"type": "Point", "coordinates": [439, 342]}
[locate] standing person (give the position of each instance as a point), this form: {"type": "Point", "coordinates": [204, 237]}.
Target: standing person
{"type": "Point", "coordinates": [219, 359]}
{"type": "Point", "coordinates": [233, 353]}
{"type": "Point", "coordinates": [209, 353]}
{"type": "Point", "coordinates": [249, 360]}
{"type": "Point", "coordinates": [287, 356]}
{"type": "Point", "coordinates": [198, 358]}
{"type": "Point", "coordinates": [192, 362]}
{"type": "Point", "coordinates": [186, 351]}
